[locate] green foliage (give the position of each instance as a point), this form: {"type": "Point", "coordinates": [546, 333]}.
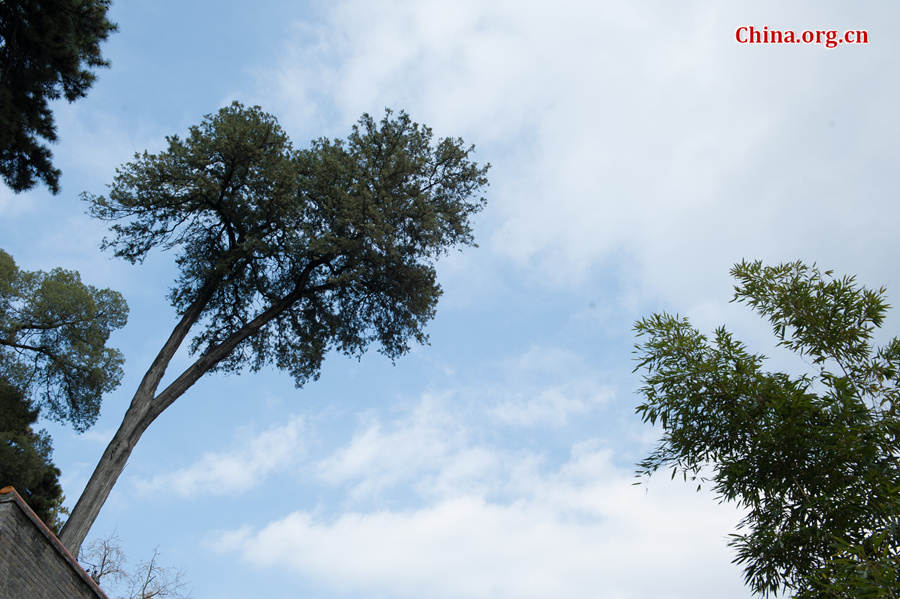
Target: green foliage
{"type": "Point", "coordinates": [299, 251]}
{"type": "Point", "coordinates": [283, 254]}
{"type": "Point", "coordinates": [865, 570]}
{"type": "Point", "coordinates": [812, 458]}
{"type": "Point", "coordinates": [53, 331]}
{"type": "Point", "coordinates": [25, 457]}
{"type": "Point", "coordinates": [47, 51]}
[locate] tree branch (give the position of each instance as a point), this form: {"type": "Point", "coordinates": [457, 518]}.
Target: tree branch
{"type": "Point", "coordinates": [216, 354]}
{"type": "Point", "coordinates": [34, 348]}
{"type": "Point", "coordinates": [154, 374]}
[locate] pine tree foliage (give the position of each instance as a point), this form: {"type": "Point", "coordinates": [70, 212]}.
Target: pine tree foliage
{"type": "Point", "coordinates": [25, 457]}
{"type": "Point", "coordinates": [48, 50]}
{"type": "Point", "coordinates": [284, 254]}
{"type": "Point", "coordinates": [326, 247]}
{"type": "Point", "coordinates": [53, 334]}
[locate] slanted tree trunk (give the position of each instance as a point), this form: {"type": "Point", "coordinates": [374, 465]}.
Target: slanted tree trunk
{"type": "Point", "coordinates": [104, 477]}
{"type": "Point", "coordinates": [260, 217]}
{"type": "Point", "coordinates": [145, 407]}
{"type": "Point", "coordinates": [137, 419]}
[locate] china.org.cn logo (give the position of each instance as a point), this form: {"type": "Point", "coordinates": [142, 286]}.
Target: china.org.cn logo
{"type": "Point", "coordinates": [830, 38]}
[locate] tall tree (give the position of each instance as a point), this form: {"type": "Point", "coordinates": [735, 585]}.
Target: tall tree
{"type": "Point", "coordinates": [813, 458]}
{"type": "Point", "coordinates": [284, 254]}
{"type": "Point", "coordinates": [25, 457]}
{"type": "Point", "coordinates": [53, 334]}
{"type": "Point", "coordinates": [48, 50]}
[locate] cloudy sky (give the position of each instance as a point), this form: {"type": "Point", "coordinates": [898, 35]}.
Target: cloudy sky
{"type": "Point", "coordinates": [638, 151]}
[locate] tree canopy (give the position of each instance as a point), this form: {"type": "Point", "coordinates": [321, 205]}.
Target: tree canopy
{"type": "Point", "coordinates": [25, 457]}
{"type": "Point", "coordinates": [48, 50]}
{"type": "Point", "coordinates": [814, 458]}
{"type": "Point", "coordinates": [284, 254]}
{"type": "Point", "coordinates": [336, 240]}
{"type": "Point", "coordinates": [53, 334]}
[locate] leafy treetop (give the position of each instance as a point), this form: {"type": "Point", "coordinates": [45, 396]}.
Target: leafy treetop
{"type": "Point", "coordinates": [284, 254]}
{"type": "Point", "coordinates": [53, 334]}
{"type": "Point", "coordinates": [327, 246]}
{"type": "Point", "coordinates": [48, 49]}
{"type": "Point", "coordinates": [813, 458]}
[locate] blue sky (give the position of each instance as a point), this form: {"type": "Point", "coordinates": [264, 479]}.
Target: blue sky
{"type": "Point", "coordinates": [638, 152]}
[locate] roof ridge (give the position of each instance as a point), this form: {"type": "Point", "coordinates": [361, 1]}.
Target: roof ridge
{"type": "Point", "coordinates": [9, 494]}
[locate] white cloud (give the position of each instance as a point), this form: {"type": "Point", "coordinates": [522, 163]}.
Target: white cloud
{"type": "Point", "coordinates": [544, 386]}
{"type": "Point", "coordinates": [440, 505]}
{"type": "Point", "coordinates": [626, 134]}
{"type": "Point", "coordinates": [432, 446]}
{"type": "Point", "coordinates": [542, 361]}
{"type": "Point", "coordinates": [553, 406]}
{"type": "Point", "coordinates": [632, 139]}
{"type": "Point", "coordinates": [582, 530]}
{"type": "Point", "coordinates": [241, 469]}
{"type": "Point", "coordinates": [427, 449]}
